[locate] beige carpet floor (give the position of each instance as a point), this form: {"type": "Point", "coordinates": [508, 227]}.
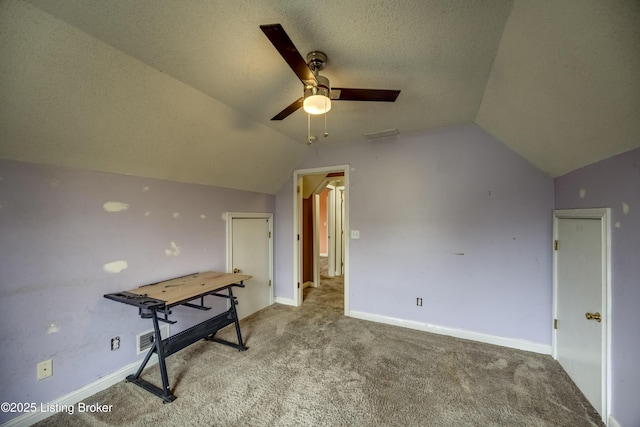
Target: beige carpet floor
{"type": "Point", "coordinates": [311, 366]}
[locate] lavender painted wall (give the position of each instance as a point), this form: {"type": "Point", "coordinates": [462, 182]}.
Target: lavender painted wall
{"type": "Point", "coordinates": [451, 216]}
{"type": "Point", "coordinates": [55, 239]}
{"type": "Point", "coordinates": [283, 274]}
{"type": "Point", "coordinates": [615, 183]}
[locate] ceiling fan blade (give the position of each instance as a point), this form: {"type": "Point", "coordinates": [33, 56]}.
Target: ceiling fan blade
{"type": "Point", "coordinates": [290, 109]}
{"type": "Point", "coordinates": [283, 44]}
{"type": "Point", "coordinates": [347, 94]}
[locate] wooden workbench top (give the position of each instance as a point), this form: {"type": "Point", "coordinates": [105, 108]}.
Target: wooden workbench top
{"type": "Point", "coordinates": [186, 288]}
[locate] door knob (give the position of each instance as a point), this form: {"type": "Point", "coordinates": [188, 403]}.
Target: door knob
{"type": "Point", "coordinates": [594, 316]}
{"type": "Point", "coordinates": [237, 270]}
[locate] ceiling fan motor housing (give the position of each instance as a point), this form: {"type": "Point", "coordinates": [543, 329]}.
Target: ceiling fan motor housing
{"type": "Point", "coordinates": [322, 88]}
{"type": "Point", "coordinates": [316, 61]}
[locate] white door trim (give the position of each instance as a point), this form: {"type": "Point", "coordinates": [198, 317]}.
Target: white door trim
{"type": "Point", "coordinates": [604, 215]}
{"type": "Point", "coordinates": [229, 217]}
{"type": "Point", "coordinates": [297, 174]}
{"type": "Point", "coordinates": [316, 239]}
{"type": "Point", "coordinates": [339, 230]}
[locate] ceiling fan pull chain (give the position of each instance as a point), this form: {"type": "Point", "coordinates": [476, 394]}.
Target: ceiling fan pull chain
{"type": "Point", "coordinates": [326, 134]}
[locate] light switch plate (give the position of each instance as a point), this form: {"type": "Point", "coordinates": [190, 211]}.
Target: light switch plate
{"type": "Point", "coordinates": [355, 234]}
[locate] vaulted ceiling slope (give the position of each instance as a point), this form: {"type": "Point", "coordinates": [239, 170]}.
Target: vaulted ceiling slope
{"type": "Point", "coordinates": [185, 89]}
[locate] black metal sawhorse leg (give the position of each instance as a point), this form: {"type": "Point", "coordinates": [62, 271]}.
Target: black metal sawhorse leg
{"type": "Point", "coordinates": [165, 348]}
{"type": "Point", "coordinates": [158, 347]}
{"type": "Point", "coordinates": [233, 317]}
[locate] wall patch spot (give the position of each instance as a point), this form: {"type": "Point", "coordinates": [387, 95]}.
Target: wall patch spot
{"type": "Point", "coordinates": [175, 215]}
{"type": "Point", "coordinates": [115, 206]}
{"type": "Point", "coordinates": [625, 208]}
{"type": "Point", "coordinates": [145, 188]}
{"type": "Point", "coordinates": [583, 193]}
{"type": "Point", "coordinates": [53, 328]}
{"type": "Point", "coordinates": [54, 183]}
{"type": "Point", "coordinates": [147, 213]}
{"type": "Point", "coordinates": [618, 225]}
{"type": "Point", "coordinates": [173, 251]}
{"type": "Point", "coordinates": [202, 216]}
{"type": "Point", "coordinates": [115, 266]}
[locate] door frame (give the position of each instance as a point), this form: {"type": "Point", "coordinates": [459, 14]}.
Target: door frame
{"type": "Point", "coordinates": [604, 215]}
{"type": "Point", "coordinates": [339, 230]}
{"type": "Point", "coordinates": [297, 257]}
{"type": "Point", "coordinates": [229, 217]}
{"type": "Point", "coordinates": [332, 226]}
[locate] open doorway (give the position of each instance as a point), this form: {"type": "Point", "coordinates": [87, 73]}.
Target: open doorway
{"type": "Point", "coordinates": [329, 227]}
{"type": "Point", "coordinates": [311, 228]}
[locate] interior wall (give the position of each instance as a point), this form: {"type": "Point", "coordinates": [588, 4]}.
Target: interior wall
{"type": "Point", "coordinates": [69, 236]}
{"type": "Point", "coordinates": [284, 244]}
{"type": "Point", "coordinates": [456, 219]}
{"type": "Point", "coordinates": [615, 183]}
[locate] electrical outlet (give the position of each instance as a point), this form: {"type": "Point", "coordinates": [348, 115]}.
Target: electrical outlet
{"type": "Point", "coordinates": [45, 369]}
{"type": "Point", "coordinates": [419, 302]}
{"type": "Point", "coordinates": [115, 343]}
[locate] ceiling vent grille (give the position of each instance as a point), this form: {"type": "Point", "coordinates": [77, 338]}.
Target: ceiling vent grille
{"type": "Point", "coordinates": [381, 134]}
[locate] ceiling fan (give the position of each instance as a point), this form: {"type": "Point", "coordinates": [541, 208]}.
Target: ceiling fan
{"type": "Point", "coordinates": [318, 93]}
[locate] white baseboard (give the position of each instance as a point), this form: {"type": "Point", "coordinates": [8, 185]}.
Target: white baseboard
{"type": "Point", "coordinates": [458, 333]}
{"type": "Point", "coordinates": [286, 301]}
{"type": "Point", "coordinates": [612, 422]}
{"type": "Point", "coordinates": [78, 395]}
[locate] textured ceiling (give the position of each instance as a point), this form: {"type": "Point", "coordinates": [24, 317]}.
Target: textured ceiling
{"type": "Point", "coordinates": [564, 91]}
{"type": "Point", "coordinates": [195, 82]}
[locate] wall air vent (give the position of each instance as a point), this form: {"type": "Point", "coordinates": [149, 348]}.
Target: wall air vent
{"type": "Point", "coordinates": [144, 340]}
{"type": "Point", "coordinates": [381, 134]}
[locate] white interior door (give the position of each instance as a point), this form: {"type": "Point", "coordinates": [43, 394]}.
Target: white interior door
{"type": "Point", "coordinates": [580, 338]}
{"type": "Point", "coordinates": [250, 254]}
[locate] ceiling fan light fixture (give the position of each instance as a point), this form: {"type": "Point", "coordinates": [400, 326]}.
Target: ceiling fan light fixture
{"type": "Point", "coordinates": [316, 100]}
{"type": "Point", "coordinates": [317, 104]}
